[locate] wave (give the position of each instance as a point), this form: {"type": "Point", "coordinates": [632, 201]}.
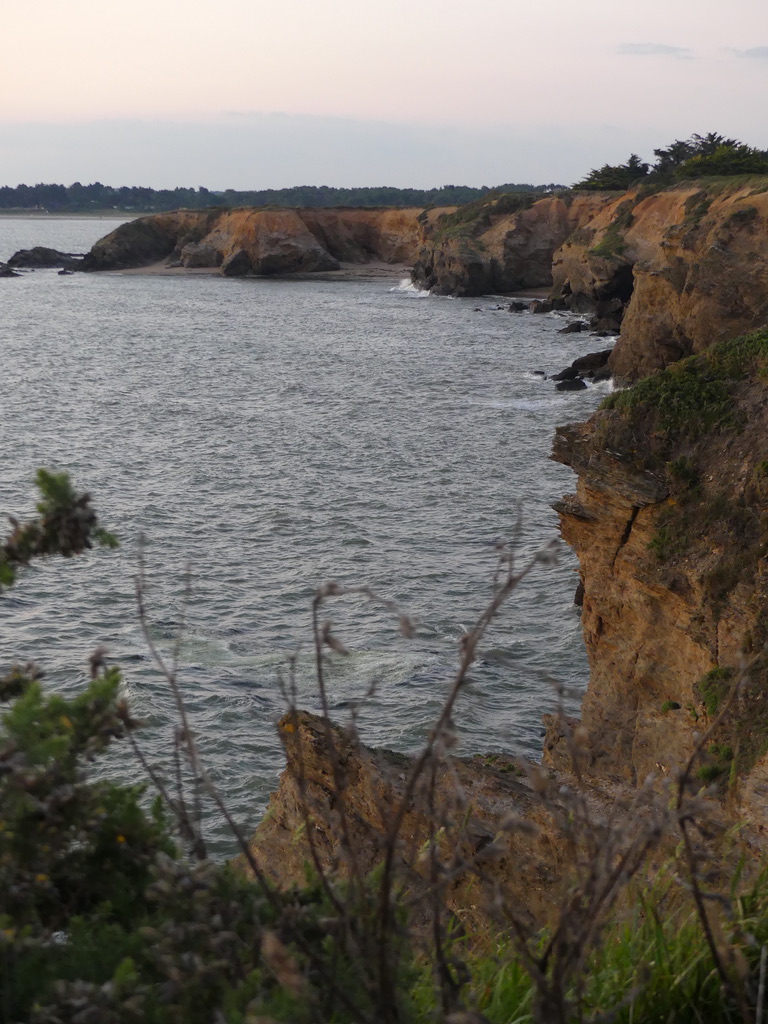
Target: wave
{"type": "Point", "coordinates": [407, 287]}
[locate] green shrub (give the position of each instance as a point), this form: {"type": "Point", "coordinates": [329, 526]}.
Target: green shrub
{"type": "Point", "coordinates": [611, 245]}
{"type": "Point", "coordinates": [714, 687]}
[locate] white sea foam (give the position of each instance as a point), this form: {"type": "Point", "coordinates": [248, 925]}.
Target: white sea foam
{"type": "Point", "coordinates": [407, 287]}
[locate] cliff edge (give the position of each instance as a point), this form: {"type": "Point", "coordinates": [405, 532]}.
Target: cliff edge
{"type": "Point", "coordinates": [678, 268]}
{"type": "Point", "coordinates": [670, 525]}
{"type": "Point", "coordinates": [688, 265]}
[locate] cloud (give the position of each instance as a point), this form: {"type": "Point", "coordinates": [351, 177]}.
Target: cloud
{"type": "Point", "coordinates": [654, 50]}
{"type": "Point", "coordinates": [756, 53]}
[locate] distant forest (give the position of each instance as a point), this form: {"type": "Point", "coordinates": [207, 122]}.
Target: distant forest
{"type": "Point", "coordinates": [79, 198]}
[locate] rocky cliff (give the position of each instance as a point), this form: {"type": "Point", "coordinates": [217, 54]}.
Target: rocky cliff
{"type": "Point", "coordinates": [264, 241]}
{"type": "Point", "coordinates": [670, 525]}
{"type": "Point", "coordinates": [683, 266]}
{"type": "Point", "coordinates": [689, 264]}
{"type": "Point", "coordinates": [678, 269]}
{"type": "Point", "coordinates": [499, 835]}
{"type": "Point", "coordinates": [501, 244]}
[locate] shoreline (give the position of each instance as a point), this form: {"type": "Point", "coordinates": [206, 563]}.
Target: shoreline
{"type": "Point", "coordinates": [373, 271]}
{"type": "Point", "coordinates": [346, 272]}
{"type": "Point", "coordinates": [84, 215]}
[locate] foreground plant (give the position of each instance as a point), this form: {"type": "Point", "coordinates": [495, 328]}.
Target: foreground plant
{"type": "Point", "coordinates": [111, 911]}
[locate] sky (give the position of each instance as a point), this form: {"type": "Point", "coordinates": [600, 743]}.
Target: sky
{"type": "Point", "coordinates": [257, 94]}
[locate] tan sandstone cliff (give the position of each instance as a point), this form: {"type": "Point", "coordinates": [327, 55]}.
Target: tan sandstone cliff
{"type": "Point", "coordinates": [502, 244]}
{"type": "Point", "coordinates": [264, 241]}
{"type": "Point", "coordinates": [690, 263]}
{"type": "Point", "coordinates": [670, 525]}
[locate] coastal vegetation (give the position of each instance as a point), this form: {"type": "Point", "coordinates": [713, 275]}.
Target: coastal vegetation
{"type": "Point", "coordinates": [699, 156]}
{"type": "Point", "coordinates": [79, 198]}
{"type": "Point", "coordinates": [687, 401]}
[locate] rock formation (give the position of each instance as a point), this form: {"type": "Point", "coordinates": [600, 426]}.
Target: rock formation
{"type": "Point", "coordinates": [41, 257]}
{"type": "Point", "coordinates": [146, 240]}
{"type": "Point", "coordinates": [688, 264]}
{"type": "Point", "coordinates": [676, 270]}
{"type": "Point", "coordinates": [475, 798]}
{"type": "Point", "coordinates": [493, 249]}
{"type": "Point", "coordinates": [263, 241]}
{"type": "Point", "coordinates": [670, 525]}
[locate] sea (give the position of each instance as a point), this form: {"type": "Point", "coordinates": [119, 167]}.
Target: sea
{"type": "Point", "coordinates": [250, 441]}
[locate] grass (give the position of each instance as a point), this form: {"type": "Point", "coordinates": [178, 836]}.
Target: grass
{"type": "Point", "coordinates": [688, 401]}
{"type": "Point", "coordinates": [652, 965]}
{"type": "Point", "coordinates": [611, 245]}
{"type": "Point", "coordinates": [696, 208]}
{"type": "Point", "coordinates": [475, 218]}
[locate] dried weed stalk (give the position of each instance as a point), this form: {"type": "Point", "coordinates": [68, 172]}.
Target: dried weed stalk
{"type": "Point", "coordinates": [608, 840]}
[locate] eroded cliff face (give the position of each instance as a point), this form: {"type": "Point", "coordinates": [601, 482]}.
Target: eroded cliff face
{"type": "Point", "coordinates": [678, 269]}
{"type": "Point", "coordinates": [670, 525]}
{"type": "Point", "coordinates": [493, 249]}
{"type": "Point", "coordinates": [146, 240]}
{"type": "Point", "coordinates": [690, 265]}
{"type": "Point", "coordinates": [264, 241]}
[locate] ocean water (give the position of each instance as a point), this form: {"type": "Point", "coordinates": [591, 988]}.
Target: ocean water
{"type": "Point", "coordinates": [251, 440]}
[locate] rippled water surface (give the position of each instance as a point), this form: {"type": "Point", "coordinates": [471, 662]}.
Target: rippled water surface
{"type": "Point", "coordinates": [273, 435]}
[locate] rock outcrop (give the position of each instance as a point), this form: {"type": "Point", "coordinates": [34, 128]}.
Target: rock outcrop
{"type": "Point", "coordinates": [147, 240]}
{"type": "Point", "coordinates": [688, 264]}
{"type": "Point", "coordinates": [264, 241]}
{"type": "Point", "coordinates": [502, 836]}
{"type": "Point", "coordinates": [498, 246]}
{"type": "Point", "coordinates": [41, 257]}
{"type": "Point", "coordinates": [670, 525]}
{"type": "Point", "coordinates": [676, 270]}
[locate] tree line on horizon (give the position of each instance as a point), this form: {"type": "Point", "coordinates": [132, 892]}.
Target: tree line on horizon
{"type": "Point", "coordinates": [699, 156]}
{"type": "Point", "coordinates": [79, 198]}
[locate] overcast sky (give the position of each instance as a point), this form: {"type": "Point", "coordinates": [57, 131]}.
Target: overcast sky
{"type": "Point", "coordinates": [257, 94]}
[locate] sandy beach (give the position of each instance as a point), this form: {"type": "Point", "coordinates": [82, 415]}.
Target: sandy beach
{"type": "Point", "coordinates": [374, 270]}
{"type": "Point", "coordinates": [346, 272]}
